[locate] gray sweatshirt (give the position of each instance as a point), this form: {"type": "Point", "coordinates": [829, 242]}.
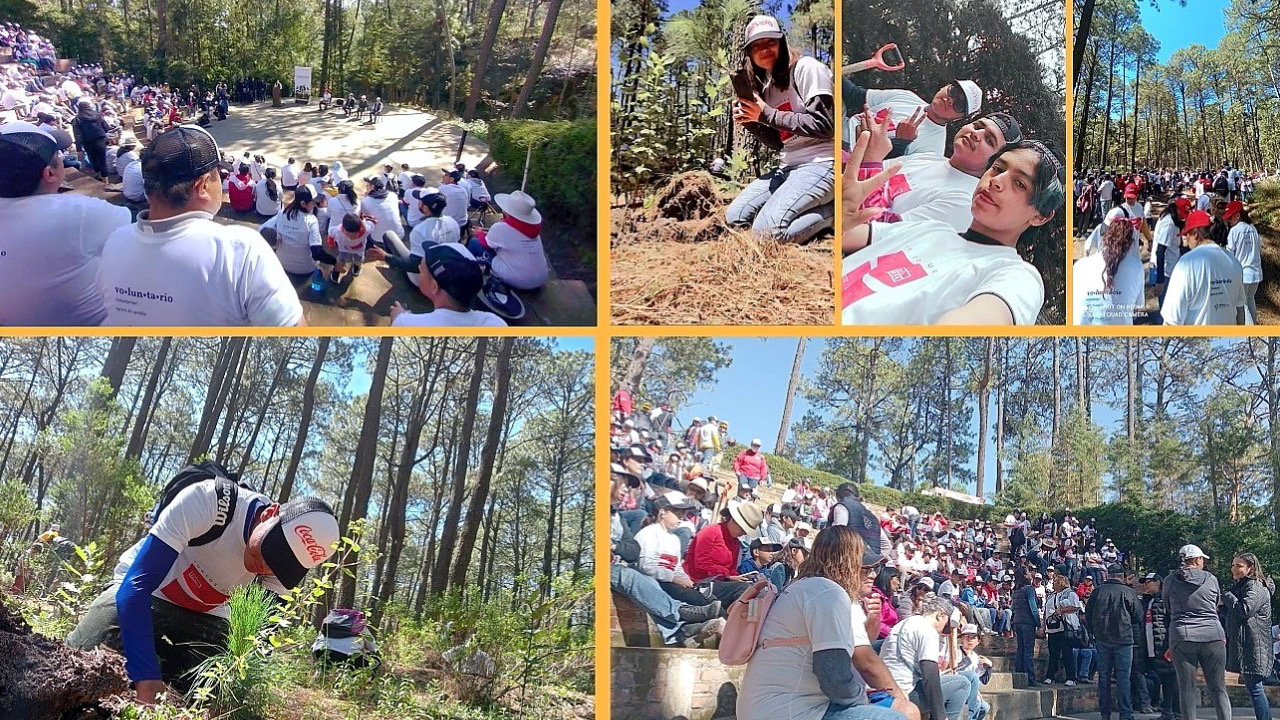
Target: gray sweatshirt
{"type": "Point", "coordinates": [1191, 597]}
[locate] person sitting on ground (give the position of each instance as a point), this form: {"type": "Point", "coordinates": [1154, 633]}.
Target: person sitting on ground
{"type": "Point", "coordinates": [383, 208]}
{"type": "Point", "coordinates": [289, 175]}
{"type": "Point", "coordinates": [268, 195]}
{"type": "Point", "coordinates": [176, 266]}
{"type": "Point", "coordinates": [911, 652]}
{"type": "Point", "coordinates": [918, 127]}
{"type": "Point", "coordinates": [126, 153]}
{"type": "Point", "coordinates": [60, 235]}
{"type": "Point", "coordinates": [450, 277]}
{"type": "Point", "coordinates": [457, 198]}
{"type": "Point", "coordinates": [926, 272]}
{"type": "Point", "coordinates": [411, 201]}
{"type": "Point", "coordinates": [712, 557]}
{"type": "Point", "coordinates": [308, 170]}
{"type": "Point", "coordinates": [513, 245]}
{"type": "Point", "coordinates": [240, 190]}
{"type": "Point", "coordinates": [436, 228]}
{"type": "Point", "coordinates": [1207, 285]}
{"type": "Point", "coordinates": [209, 539]}
{"type": "Point", "coordinates": [132, 187]}
{"type": "Point", "coordinates": [764, 562]}
{"type": "Point", "coordinates": [297, 240]}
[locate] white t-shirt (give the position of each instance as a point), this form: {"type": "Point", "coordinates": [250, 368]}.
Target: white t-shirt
{"type": "Point", "coordinates": [914, 272]}
{"type": "Point", "coordinates": [124, 158]}
{"type": "Point", "coordinates": [348, 244]}
{"type": "Point", "coordinates": [50, 247]}
{"type": "Point", "coordinates": [1166, 235]}
{"type": "Point", "coordinates": [432, 231]}
{"type": "Point", "coordinates": [809, 79]}
{"type": "Point", "coordinates": [1090, 305]}
{"type": "Point", "coordinates": [1242, 241]}
{"type": "Point", "coordinates": [929, 187]}
{"type": "Point", "coordinates": [456, 202]}
{"type": "Point", "coordinates": [901, 104]}
{"type": "Point", "coordinates": [385, 212]}
{"type": "Point", "coordinates": [203, 577]}
{"type": "Point", "coordinates": [779, 683]}
{"type": "Point", "coordinates": [519, 261]}
{"type": "Point", "coordinates": [289, 174]}
{"type": "Point", "coordinates": [263, 202]}
{"type": "Point", "coordinates": [441, 317]}
{"type": "Point", "coordinates": [133, 189]}
{"type": "Point", "coordinates": [413, 207]}
{"type": "Point", "coordinates": [1205, 288]}
{"type": "Point", "coordinates": [909, 642]}
{"type": "Point", "coordinates": [406, 180]}
{"type": "Point", "coordinates": [1063, 598]}
{"type": "Point", "coordinates": [339, 206]}
{"type": "Point", "coordinates": [1135, 219]}
{"type": "Point", "coordinates": [659, 553]}
{"type": "Point", "coordinates": [479, 191]}
{"type": "Point", "coordinates": [294, 239]}
{"type": "Point", "coordinates": [1105, 191]}
{"type": "Point", "coordinates": [189, 270]}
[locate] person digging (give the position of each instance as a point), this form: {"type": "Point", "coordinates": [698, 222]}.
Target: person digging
{"type": "Point", "coordinates": [166, 609]}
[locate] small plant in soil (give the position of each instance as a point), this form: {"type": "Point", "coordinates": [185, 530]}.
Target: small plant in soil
{"type": "Point", "coordinates": [237, 684]}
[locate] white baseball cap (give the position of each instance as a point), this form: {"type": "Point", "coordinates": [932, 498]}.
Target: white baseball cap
{"type": "Point", "coordinates": [972, 95]}
{"type": "Point", "coordinates": [761, 27]}
{"type": "Point", "coordinates": [755, 442]}
{"type": "Point", "coordinates": [1189, 552]}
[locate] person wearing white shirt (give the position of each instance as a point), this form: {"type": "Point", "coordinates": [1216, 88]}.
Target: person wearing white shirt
{"type": "Point", "coordinates": [479, 191]}
{"type": "Point", "coordinates": [289, 175]}
{"type": "Point", "coordinates": [133, 187]}
{"type": "Point", "coordinates": [50, 244]}
{"type": "Point", "coordinates": [436, 228]}
{"type": "Point", "coordinates": [927, 273]}
{"type": "Point", "coordinates": [414, 192]}
{"type": "Point", "coordinates": [1207, 286]}
{"type": "Point", "coordinates": [125, 154]}
{"type": "Point", "coordinates": [1107, 287]}
{"type": "Point", "coordinates": [1243, 243]}
{"type": "Point", "coordinates": [513, 245]}
{"type": "Point", "coordinates": [297, 233]}
{"type": "Point", "coordinates": [267, 194]}
{"type": "Point", "coordinates": [917, 126]}
{"type": "Point", "coordinates": [450, 276]}
{"type": "Point", "coordinates": [176, 266]}
{"type": "Point", "coordinates": [1106, 194]}
{"type": "Point", "coordinates": [660, 552]}
{"type": "Point", "coordinates": [405, 177]}
{"type": "Point", "coordinates": [383, 207]}
{"type": "Point", "coordinates": [456, 198]}
{"type": "Point", "coordinates": [1166, 241]}
{"type": "Point", "coordinates": [933, 187]}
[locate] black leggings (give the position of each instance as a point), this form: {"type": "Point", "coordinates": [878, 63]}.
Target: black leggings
{"type": "Point", "coordinates": [1060, 653]}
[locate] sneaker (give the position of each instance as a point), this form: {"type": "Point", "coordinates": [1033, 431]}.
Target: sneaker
{"type": "Point", "coordinates": [1071, 683]}
{"type": "Point", "coordinates": [1048, 681]}
{"type": "Point", "coordinates": [700, 613]}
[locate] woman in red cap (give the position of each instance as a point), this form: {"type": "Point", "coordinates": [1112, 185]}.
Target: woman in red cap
{"type": "Point", "coordinates": [1242, 242]}
{"type": "Point", "coordinates": [1207, 286]}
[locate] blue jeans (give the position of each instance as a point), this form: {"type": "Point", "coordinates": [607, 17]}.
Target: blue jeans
{"type": "Point", "coordinates": [955, 693]}
{"type": "Point", "coordinates": [708, 455]}
{"type": "Point", "coordinates": [744, 481]}
{"type": "Point", "coordinates": [646, 593]}
{"type": "Point", "coordinates": [790, 204]}
{"type": "Point", "coordinates": [1085, 661]}
{"type": "Point", "coordinates": [633, 519]}
{"type": "Point", "coordinates": [1253, 683]}
{"type": "Point", "coordinates": [862, 712]}
{"type": "Point", "coordinates": [1024, 656]}
{"type": "Point", "coordinates": [978, 708]}
{"type": "Point", "coordinates": [1117, 657]}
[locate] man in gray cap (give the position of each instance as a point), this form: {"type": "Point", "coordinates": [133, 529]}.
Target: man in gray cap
{"type": "Point", "coordinates": [176, 266]}
{"type": "Point", "coordinates": [50, 244]}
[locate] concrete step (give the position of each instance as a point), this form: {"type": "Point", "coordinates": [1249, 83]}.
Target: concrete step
{"type": "Point", "coordinates": [1006, 681]}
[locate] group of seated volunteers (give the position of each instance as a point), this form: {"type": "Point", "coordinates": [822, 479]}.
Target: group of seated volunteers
{"type": "Point", "coordinates": [101, 263]}
{"type": "Point", "coordinates": [881, 614]}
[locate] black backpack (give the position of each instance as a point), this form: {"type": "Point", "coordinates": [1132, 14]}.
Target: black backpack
{"type": "Point", "coordinates": [228, 486]}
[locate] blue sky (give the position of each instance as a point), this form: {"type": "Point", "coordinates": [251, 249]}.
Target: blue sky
{"type": "Point", "coordinates": [750, 392]}
{"type": "Point", "coordinates": [361, 380]}
{"type": "Point", "coordinates": [1174, 27]}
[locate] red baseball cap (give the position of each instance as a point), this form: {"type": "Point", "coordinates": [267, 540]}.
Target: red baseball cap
{"type": "Point", "coordinates": [1131, 190]}
{"type": "Point", "coordinates": [1233, 207]}
{"type": "Point", "coordinates": [1183, 203]}
{"type": "Point", "coordinates": [1197, 219]}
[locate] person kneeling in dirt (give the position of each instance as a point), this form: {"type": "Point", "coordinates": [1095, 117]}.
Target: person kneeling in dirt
{"type": "Point", "coordinates": [209, 537]}
{"type": "Point", "coordinates": [925, 272]}
{"type": "Point", "coordinates": [792, 109]}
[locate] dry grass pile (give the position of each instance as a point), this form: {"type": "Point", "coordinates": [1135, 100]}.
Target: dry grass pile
{"type": "Point", "coordinates": [733, 280]}
{"type": "Point", "coordinates": [678, 263]}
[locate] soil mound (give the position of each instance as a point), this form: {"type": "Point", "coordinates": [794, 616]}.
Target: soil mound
{"type": "Point", "coordinates": [43, 679]}
{"type": "Point", "coordinates": [688, 196]}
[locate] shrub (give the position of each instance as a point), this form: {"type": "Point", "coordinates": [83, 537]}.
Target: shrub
{"type": "Point", "coordinates": [562, 172]}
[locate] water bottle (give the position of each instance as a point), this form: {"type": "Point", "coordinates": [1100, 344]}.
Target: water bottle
{"type": "Point", "coordinates": [317, 281]}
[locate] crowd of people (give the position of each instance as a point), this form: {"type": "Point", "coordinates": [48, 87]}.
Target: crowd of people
{"type": "Point", "coordinates": [888, 610]}
{"type": "Point", "coordinates": [1203, 253]}
{"type": "Point", "coordinates": [101, 263]}
{"type": "Point", "coordinates": [932, 233]}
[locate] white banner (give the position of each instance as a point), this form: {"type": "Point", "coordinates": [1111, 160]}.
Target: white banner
{"type": "Point", "coordinates": [301, 82]}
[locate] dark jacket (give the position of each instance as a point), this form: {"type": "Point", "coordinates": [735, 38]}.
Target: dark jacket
{"type": "Point", "coordinates": [88, 127]}
{"type": "Point", "coordinates": [1155, 614]}
{"type": "Point", "coordinates": [1191, 596]}
{"type": "Point", "coordinates": [1024, 607]}
{"type": "Point", "coordinates": [861, 521]}
{"type": "Point", "coordinates": [1113, 610]}
{"type": "Point", "coordinates": [1248, 611]}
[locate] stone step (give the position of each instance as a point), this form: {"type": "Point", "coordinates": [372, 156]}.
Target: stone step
{"type": "Point", "coordinates": [1006, 681]}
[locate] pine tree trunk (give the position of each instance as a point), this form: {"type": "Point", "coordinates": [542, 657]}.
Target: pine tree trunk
{"type": "Point", "coordinates": [633, 377]}
{"type": "Point", "coordinates": [139, 436]}
{"type": "Point", "coordinates": [780, 446]}
{"type": "Point", "coordinates": [984, 389]}
{"type": "Point", "coordinates": [482, 63]}
{"type": "Point", "coordinates": [117, 363]}
{"type": "Point", "coordinates": [449, 533]}
{"type": "Point", "coordinates": [304, 422]}
{"type": "Point", "coordinates": [539, 56]}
